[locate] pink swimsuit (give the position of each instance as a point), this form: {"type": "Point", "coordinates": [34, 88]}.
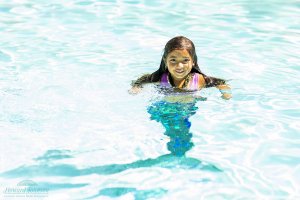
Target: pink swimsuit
{"type": "Point", "coordinates": [193, 85]}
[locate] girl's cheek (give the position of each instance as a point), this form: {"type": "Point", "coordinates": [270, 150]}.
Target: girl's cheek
{"type": "Point", "coordinates": [172, 65]}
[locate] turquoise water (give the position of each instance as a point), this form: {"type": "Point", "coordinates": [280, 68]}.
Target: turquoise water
{"type": "Point", "coordinates": [68, 124]}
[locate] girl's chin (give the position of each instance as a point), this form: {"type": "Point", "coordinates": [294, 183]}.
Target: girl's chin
{"type": "Point", "coordinates": [179, 76]}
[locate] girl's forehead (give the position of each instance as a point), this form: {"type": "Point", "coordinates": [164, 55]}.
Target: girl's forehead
{"type": "Point", "coordinates": [179, 53]}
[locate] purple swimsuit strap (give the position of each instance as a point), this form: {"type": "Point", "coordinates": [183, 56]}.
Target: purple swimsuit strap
{"type": "Point", "coordinates": [164, 79]}
{"type": "Point", "coordinates": [195, 82]}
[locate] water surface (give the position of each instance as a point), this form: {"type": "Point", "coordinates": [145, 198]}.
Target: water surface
{"type": "Point", "coordinates": [68, 124]}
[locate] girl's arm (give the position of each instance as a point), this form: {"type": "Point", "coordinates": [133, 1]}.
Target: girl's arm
{"type": "Point", "coordinates": [218, 83]}
{"type": "Point", "coordinates": [138, 84]}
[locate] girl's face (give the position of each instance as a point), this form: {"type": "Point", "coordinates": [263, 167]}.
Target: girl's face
{"type": "Point", "coordinates": [179, 63]}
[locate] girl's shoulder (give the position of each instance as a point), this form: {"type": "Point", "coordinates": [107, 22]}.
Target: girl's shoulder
{"type": "Point", "coordinates": [199, 80]}
{"type": "Point", "coordinates": [146, 78]}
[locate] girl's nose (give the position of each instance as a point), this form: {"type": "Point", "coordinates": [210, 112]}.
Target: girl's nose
{"type": "Point", "coordinates": [179, 65]}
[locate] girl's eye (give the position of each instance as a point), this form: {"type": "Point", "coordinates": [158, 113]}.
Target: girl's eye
{"type": "Point", "coordinates": [173, 61]}
{"type": "Point", "coordinates": [185, 61]}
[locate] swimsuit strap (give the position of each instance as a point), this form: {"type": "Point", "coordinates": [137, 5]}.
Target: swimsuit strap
{"type": "Point", "coordinates": [195, 82]}
{"type": "Point", "coordinates": [164, 79]}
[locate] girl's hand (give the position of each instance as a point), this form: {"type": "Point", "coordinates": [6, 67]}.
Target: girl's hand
{"type": "Point", "coordinates": [135, 90]}
{"type": "Point", "coordinates": [226, 91]}
{"type": "Point", "coordinates": [226, 96]}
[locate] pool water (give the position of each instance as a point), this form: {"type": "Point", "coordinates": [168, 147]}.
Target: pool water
{"type": "Point", "coordinates": [68, 124]}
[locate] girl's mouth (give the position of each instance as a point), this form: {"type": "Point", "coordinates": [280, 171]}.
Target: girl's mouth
{"type": "Point", "coordinates": [179, 71]}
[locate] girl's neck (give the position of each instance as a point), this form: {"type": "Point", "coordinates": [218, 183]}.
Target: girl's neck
{"type": "Point", "coordinates": [179, 83]}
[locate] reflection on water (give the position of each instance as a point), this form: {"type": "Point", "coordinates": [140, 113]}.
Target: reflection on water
{"type": "Point", "coordinates": [174, 116]}
{"type": "Point", "coordinates": [138, 194]}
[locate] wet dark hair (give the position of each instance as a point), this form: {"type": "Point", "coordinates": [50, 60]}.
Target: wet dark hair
{"type": "Point", "coordinates": [178, 43]}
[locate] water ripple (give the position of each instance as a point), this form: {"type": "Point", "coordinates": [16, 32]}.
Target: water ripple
{"type": "Point", "coordinates": [66, 66]}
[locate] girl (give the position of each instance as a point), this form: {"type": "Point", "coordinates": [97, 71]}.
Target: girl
{"type": "Point", "coordinates": [179, 68]}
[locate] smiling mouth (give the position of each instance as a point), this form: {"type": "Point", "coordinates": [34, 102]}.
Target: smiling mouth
{"type": "Point", "coordinates": [179, 71]}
